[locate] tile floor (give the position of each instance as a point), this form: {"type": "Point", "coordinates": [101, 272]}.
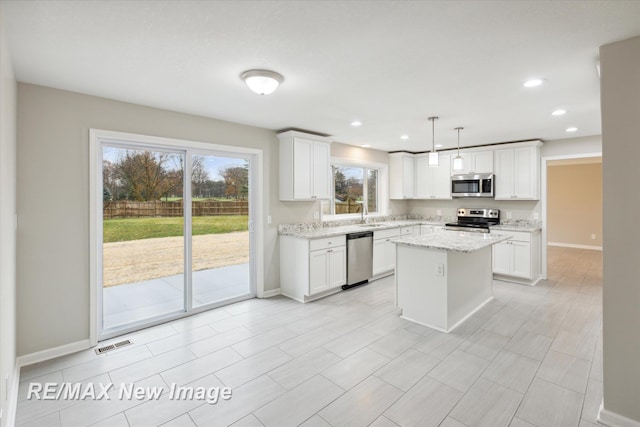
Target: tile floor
{"type": "Point", "coordinates": [533, 356]}
{"type": "Point", "coordinates": [131, 302]}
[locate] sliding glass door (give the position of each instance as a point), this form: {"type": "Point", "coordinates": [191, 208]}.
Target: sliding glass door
{"type": "Point", "coordinates": [175, 233]}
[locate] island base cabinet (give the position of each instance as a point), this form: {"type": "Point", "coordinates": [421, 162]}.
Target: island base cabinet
{"type": "Point", "coordinates": [441, 289]}
{"type": "Point", "coordinates": [384, 251]}
{"type": "Point", "coordinates": [517, 260]}
{"type": "Point", "coordinates": [311, 269]}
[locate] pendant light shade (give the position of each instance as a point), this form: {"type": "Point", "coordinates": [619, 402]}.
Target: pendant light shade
{"type": "Point", "coordinates": [434, 158]}
{"type": "Point", "coordinates": [458, 162]}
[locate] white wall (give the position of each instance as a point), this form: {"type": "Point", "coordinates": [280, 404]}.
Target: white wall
{"type": "Point", "coordinates": [620, 100]}
{"type": "Point", "coordinates": [53, 200]}
{"type": "Point", "coordinates": [7, 223]}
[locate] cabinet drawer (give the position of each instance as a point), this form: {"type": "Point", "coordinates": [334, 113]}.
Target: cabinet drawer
{"type": "Point", "coordinates": [519, 236]}
{"type": "Point", "coordinates": [327, 242]}
{"type": "Point", "coordinates": [385, 234]}
{"type": "Point", "coordinates": [406, 231]}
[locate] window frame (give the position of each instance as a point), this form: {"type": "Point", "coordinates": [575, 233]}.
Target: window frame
{"type": "Point", "coordinates": [382, 190]}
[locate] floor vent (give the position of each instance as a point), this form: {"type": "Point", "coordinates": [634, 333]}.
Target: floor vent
{"type": "Point", "coordinates": [115, 346]}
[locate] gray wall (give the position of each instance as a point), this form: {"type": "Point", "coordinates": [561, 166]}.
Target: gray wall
{"type": "Point", "coordinates": [620, 97]}
{"type": "Point", "coordinates": [7, 222]}
{"type": "Point", "coordinates": [53, 200]}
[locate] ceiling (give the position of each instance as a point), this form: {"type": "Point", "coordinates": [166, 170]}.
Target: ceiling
{"type": "Point", "coordinates": [389, 64]}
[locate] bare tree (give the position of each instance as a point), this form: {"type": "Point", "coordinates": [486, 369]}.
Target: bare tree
{"type": "Point", "coordinates": [236, 179]}
{"type": "Point", "coordinates": [147, 176]}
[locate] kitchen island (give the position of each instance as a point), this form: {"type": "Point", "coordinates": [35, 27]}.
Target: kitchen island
{"type": "Point", "coordinates": [444, 277]}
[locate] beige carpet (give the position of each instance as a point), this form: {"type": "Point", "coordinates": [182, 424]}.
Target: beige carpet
{"type": "Point", "coordinates": [139, 260]}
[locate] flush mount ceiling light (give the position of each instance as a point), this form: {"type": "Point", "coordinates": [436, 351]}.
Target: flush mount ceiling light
{"type": "Point", "coordinates": [404, 137]}
{"type": "Point", "coordinates": [571, 129]}
{"type": "Point", "coordinates": [262, 82]}
{"type": "Point", "coordinates": [356, 123]}
{"type": "Point", "coordinates": [533, 83]}
{"type": "Point", "coordinates": [434, 160]}
{"type": "Point", "coordinates": [365, 145]}
{"type": "Point", "coordinates": [559, 112]}
{"type": "Point", "coordinates": [458, 163]}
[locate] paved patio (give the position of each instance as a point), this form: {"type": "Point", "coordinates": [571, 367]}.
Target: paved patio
{"type": "Point", "coordinates": [132, 302]}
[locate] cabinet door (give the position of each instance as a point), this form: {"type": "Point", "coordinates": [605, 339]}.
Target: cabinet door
{"type": "Point", "coordinates": [426, 229]}
{"type": "Point", "coordinates": [318, 271]}
{"type": "Point", "coordinates": [321, 173]}
{"type": "Point", "coordinates": [384, 256]}
{"type": "Point", "coordinates": [337, 266]}
{"type": "Point", "coordinates": [408, 176]}
{"type": "Point", "coordinates": [525, 173]}
{"type": "Point", "coordinates": [521, 259]}
{"type": "Point", "coordinates": [441, 178]}
{"type": "Point", "coordinates": [423, 178]}
{"type": "Point", "coordinates": [302, 168]}
{"type": "Point", "coordinates": [502, 258]}
{"type": "Point", "coordinates": [504, 174]}
{"type": "Point", "coordinates": [483, 162]}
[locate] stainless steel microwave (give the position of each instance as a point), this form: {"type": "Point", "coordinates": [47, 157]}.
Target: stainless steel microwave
{"type": "Point", "coordinates": [476, 185]}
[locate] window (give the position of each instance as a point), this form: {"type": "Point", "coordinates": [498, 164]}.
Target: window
{"type": "Point", "coordinates": [353, 186]}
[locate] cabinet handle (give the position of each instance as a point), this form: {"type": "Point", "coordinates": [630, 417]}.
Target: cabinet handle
{"type": "Point", "coordinates": [330, 250]}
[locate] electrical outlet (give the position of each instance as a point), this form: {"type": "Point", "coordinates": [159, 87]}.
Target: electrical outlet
{"type": "Point", "coordinates": [535, 215]}
{"type": "Point", "coordinates": [440, 270]}
{"type": "Point", "coordinates": [438, 212]}
{"type": "Point", "coordinates": [593, 237]}
{"type": "Point", "coordinates": [508, 214]}
{"type": "Point", "coordinates": [390, 211]}
{"type": "Point", "coordinates": [269, 219]}
{"type": "Point", "coordinates": [316, 215]}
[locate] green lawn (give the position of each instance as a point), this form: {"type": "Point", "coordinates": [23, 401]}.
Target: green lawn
{"type": "Point", "coordinates": [121, 230]}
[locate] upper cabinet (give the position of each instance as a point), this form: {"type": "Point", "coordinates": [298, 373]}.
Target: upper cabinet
{"type": "Point", "coordinates": [401, 176]}
{"type": "Point", "coordinates": [304, 166]}
{"type": "Point", "coordinates": [517, 172]}
{"type": "Point", "coordinates": [475, 162]}
{"type": "Point", "coordinates": [433, 182]}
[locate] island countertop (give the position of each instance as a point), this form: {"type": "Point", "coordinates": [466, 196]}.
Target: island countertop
{"type": "Point", "coordinates": [457, 241]}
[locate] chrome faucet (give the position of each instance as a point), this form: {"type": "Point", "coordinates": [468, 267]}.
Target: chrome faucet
{"type": "Point", "coordinates": [363, 213]}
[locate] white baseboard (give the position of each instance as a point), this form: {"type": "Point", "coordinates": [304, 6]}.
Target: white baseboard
{"type": "Point", "coordinates": [612, 419]}
{"type": "Point", "coordinates": [52, 353]}
{"type": "Point", "coordinates": [571, 245]}
{"type": "Point", "coordinates": [271, 293]}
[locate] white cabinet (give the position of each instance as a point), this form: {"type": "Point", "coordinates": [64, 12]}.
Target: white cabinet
{"type": "Point", "coordinates": [517, 173]}
{"type": "Point", "coordinates": [304, 167]}
{"type": "Point", "coordinates": [475, 162]}
{"type": "Point", "coordinates": [401, 176]}
{"type": "Point", "coordinates": [428, 229]}
{"type": "Point", "coordinates": [314, 268]}
{"type": "Point", "coordinates": [433, 182]}
{"type": "Point", "coordinates": [517, 257]}
{"type": "Point", "coordinates": [384, 251]}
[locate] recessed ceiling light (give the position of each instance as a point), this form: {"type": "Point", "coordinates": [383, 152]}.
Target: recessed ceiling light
{"type": "Point", "coordinates": [365, 145]}
{"type": "Point", "coordinates": [262, 82]}
{"type": "Point", "coordinates": [533, 83]}
{"type": "Point", "coordinates": [404, 137]}
{"type": "Point", "coordinates": [356, 123]}
{"type": "Point", "coordinates": [559, 112]}
{"type": "Point", "coordinates": [438, 145]}
{"type": "Point", "coordinates": [571, 129]}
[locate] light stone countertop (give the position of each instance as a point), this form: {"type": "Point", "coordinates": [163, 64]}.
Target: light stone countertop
{"type": "Point", "coordinates": [354, 228]}
{"type": "Point", "coordinates": [527, 228]}
{"type": "Point", "coordinates": [457, 241]}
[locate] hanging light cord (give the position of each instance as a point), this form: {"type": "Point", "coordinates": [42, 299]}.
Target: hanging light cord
{"type": "Point", "coordinates": [459, 129]}
{"type": "Point", "coordinates": [433, 133]}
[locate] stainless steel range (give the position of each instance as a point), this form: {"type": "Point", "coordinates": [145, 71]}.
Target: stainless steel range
{"type": "Point", "coordinates": [475, 219]}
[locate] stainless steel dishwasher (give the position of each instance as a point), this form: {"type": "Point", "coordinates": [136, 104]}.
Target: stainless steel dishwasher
{"type": "Point", "coordinates": [359, 258]}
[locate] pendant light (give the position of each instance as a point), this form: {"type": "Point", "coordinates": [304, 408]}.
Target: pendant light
{"type": "Point", "coordinates": [458, 162]}
{"type": "Point", "coordinates": [434, 160]}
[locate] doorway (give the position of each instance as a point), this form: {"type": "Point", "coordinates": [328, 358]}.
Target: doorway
{"type": "Point", "coordinates": [571, 204]}
{"type": "Point", "coordinates": [174, 229]}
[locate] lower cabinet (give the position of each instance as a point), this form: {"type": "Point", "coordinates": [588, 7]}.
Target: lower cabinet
{"type": "Point", "coordinates": [384, 251]}
{"type": "Point", "coordinates": [428, 229]}
{"type": "Point", "coordinates": [518, 257]}
{"type": "Point", "coordinates": [312, 268]}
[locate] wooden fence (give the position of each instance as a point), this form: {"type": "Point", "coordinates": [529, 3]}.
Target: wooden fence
{"type": "Point", "coordinates": [129, 209]}
{"type": "Point", "coordinates": [350, 206]}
